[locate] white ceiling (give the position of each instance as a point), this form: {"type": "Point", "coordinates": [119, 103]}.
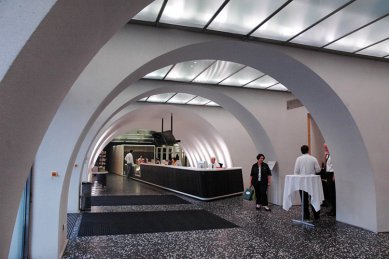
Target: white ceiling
{"type": "Point", "coordinates": [356, 27]}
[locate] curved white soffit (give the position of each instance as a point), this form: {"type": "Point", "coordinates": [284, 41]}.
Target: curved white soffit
{"type": "Point", "coordinates": [194, 132]}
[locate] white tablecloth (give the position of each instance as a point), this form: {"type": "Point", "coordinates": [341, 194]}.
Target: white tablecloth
{"type": "Point", "coordinates": [309, 183]}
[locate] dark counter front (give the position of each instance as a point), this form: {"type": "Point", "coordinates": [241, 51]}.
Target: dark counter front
{"type": "Point", "coordinates": [203, 184]}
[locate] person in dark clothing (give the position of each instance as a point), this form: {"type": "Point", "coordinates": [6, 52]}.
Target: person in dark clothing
{"type": "Point", "coordinates": [330, 181]}
{"type": "Point", "coordinates": [260, 178]}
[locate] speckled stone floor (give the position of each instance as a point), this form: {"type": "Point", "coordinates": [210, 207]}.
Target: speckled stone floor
{"type": "Point", "coordinates": [260, 234]}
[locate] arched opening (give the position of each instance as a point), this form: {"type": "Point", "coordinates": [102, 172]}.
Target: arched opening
{"type": "Point", "coordinates": [306, 82]}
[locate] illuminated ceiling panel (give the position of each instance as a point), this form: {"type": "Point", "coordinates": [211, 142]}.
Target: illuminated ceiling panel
{"type": "Point", "coordinates": [160, 98]}
{"type": "Point", "coordinates": [212, 72]}
{"type": "Point", "coordinates": [158, 74]}
{"type": "Point", "coordinates": [242, 16]}
{"type": "Point", "coordinates": [263, 82]}
{"type": "Point", "coordinates": [212, 104]}
{"type": "Point", "coordinates": [219, 71]}
{"type": "Point", "coordinates": [190, 13]}
{"type": "Point", "coordinates": [342, 25]}
{"type": "Point", "coordinates": [296, 17]}
{"type": "Point", "coordinates": [378, 50]}
{"type": "Point", "coordinates": [365, 37]}
{"type": "Point", "coordinates": [278, 87]}
{"type": "Point", "coordinates": [150, 12]}
{"type": "Point", "coordinates": [181, 98]}
{"type": "Point", "coordinates": [242, 77]}
{"type": "Point", "coordinates": [338, 25]}
{"type": "Point", "coordinates": [187, 71]}
{"type": "Point", "coordinates": [198, 101]}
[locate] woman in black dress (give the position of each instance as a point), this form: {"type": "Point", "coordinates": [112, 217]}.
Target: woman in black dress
{"type": "Point", "coordinates": [260, 178]}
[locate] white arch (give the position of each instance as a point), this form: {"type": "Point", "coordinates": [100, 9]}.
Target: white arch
{"type": "Point", "coordinates": [303, 82]}
{"type": "Point", "coordinates": [28, 99]}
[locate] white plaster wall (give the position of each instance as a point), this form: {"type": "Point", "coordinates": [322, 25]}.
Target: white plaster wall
{"type": "Point", "coordinates": [18, 19]}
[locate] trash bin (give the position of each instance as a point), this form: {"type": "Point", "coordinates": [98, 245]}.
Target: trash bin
{"type": "Point", "coordinates": [102, 179]}
{"type": "Point", "coordinates": [86, 193]}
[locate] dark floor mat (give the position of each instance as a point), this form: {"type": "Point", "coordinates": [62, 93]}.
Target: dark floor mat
{"type": "Point", "coordinates": [71, 220]}
{"type": "Point", "coordinates": [118, 223]}
{"type": "Point", "coordinates": [137, 200]}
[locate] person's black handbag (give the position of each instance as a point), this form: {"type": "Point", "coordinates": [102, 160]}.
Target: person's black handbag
{"type": "Point", "coordinates": [248, 194]}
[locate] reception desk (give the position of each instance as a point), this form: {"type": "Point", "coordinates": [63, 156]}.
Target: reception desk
{"type": "Point", "coordinates": [199, 183]}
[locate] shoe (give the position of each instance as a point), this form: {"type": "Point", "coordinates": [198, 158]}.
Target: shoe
{"type": "Point", "coordinates": [267, 208]}
{"type": "Point", "coordinates": [258, 207]}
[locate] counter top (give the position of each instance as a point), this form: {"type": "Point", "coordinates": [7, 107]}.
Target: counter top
{"type": "Point", "coordinates": [195, 168]}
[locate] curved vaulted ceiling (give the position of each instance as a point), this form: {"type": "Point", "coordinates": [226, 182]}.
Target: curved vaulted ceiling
{"type": "Point", "coordinates": [357, 27]}
{"type": "Point", "coordinates": [349, 27]}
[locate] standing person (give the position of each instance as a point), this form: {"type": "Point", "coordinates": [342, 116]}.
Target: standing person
{"type": "Point", "coordinates": [260, 178]}
{"type": "Point", "coordinates": [176, 161]}
{"type": "Point", "coordinates": [213, 163]}
{"type": "Point", "coordinates": [130, 161]}
{"type": "Point", "coordinates": [306, 165]}
{"type": "Point", "coordinates": [330, 181]}
{"type": "Point", "coordinates": [140, 160]}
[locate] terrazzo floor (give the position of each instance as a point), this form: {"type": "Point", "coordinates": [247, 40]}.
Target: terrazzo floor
{"type": "Point", "coordinates": [260, 234]}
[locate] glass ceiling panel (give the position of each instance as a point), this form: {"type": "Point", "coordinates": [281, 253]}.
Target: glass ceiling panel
{"type": "Point", "coordinates": [262, 82]}
{"type": "Point", "coordinates": [278, 87]}
{"type": "Point", "coordinates": [150, 12]}
{"type": "Point", "coordinates": [160, 98]}
{"type": "Point", "coordinates": [212, 104]}
{"type": "Point", "coordinates": [186, 71]}
{"type": "Point", "coordinates": [364, 37]}
{"type": "Point", "coordinates": [242, 77]}
{"type": "Point", "coordinates": [217, 72]}
{"type": "Point", "coordinates": [337, 25]}
{"type": "Point", "coordinates": [158, 74]}
{"type": "Point", "coordinates": [378, 50]}
{"type": "Point", "coordinates": [199, 101]}
{"type": "Point", "coordinates": [295, 17]}
{"type": "Point", "coordinates": [241, 16]}
{"type": "Point", "coordinates": [181, 98]}
{"type": "Point", "coordinates": [190, 13]}
{"type": "Point", "coordinates": [143, 99]}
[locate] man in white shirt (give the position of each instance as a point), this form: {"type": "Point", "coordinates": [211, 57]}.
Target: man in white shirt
{"type": "Point", "coordinates": [213, 163]}
{"type": "Point", "coordinates": [130, 161]}
{"type": "Point", "coordinates": [306, 165]}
